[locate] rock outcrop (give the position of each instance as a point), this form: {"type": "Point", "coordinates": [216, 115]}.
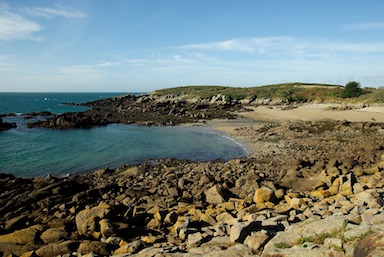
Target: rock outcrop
{"type": "Point", "coordinates": [143, 110]}
{"type": "Point", "coordinates": [6, 125]}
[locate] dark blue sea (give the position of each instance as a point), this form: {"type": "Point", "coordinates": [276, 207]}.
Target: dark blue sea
{"type": "Point", "coordinates": [37, 152]}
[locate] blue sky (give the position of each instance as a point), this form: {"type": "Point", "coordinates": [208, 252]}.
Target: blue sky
{"type": "Point", "coordinates": [138, 46]}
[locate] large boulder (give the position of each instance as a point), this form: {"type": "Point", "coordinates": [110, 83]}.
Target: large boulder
{"type": "Point", "coordinates": [310, 228]}
{"type": "Point", "coordinates": [240, 230]}
{"type": "Point", "coordinates": [23, 236]}
{"type": "Point", "coordinates": [53, 235]}
{"type": "Point", "coordinates": [214, 195]}
{"type": "Point", "coordinates": [256, 241]}
{"type": "Point", "coordinates": [95, 247]}
{"type": "Point", "coordinates": [56, 249]}
{"type": "Point", "coordinates": [106, 228]}
{"type": "Point", "coordinates": [264, 194]}
{"type": "Point", "coordinates": [130, 172]}
{"type": "Point", "coordinates": [87, 221]}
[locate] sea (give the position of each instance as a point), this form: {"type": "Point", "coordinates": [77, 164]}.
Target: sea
{"type": "Point", "coordinates": [37, 152]}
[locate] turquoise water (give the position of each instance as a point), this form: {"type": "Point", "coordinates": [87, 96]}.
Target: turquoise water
{"type": "Point", "coordinates": [52, 102]}
{"type": "Point", "coordinates": [36, 152]}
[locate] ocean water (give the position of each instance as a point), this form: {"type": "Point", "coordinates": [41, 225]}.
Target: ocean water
{"type": "Point", "coordinates": [52, 102]}
{"type": "Point", "coordinates": [37, 152]}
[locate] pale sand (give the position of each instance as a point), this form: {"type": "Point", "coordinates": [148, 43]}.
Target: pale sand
{"type": "Point", "coordinates": [315, 112]}
{"type": "Point", "coordinates": [308, 112]}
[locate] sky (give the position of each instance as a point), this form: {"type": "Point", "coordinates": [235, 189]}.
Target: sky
{"type": "Point", "coordinates": [144, 45]}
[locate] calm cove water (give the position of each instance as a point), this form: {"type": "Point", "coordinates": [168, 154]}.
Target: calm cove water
{"type": "Point", "coordinates": [36, 152]}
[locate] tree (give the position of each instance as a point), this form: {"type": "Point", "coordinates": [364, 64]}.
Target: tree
{"type": "Point", "coordinates": [351, 89]}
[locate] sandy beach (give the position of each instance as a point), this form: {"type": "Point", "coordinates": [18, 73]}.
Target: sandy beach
{"type": "Point", "coordinates": [308, 112]}
{"type": "Point", "coordinates": [244, 126]}
{"type": "Point", "coordinates": [313, 112]}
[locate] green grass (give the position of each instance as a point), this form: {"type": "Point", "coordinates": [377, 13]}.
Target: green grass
{"type": "Point", "coordinates": [339, 249]}
{"type": "Point", "coordinates": [282, 245]}
{"type": "Point", "coordinates": [292, 92]}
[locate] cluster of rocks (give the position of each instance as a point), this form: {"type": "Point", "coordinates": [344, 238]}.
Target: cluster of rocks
{"type": "Point", "coordinates": [6, 125]}
{"type": "Point", "coordinates": [37, 114]}
{"type": "Point", "coordinates": [288, 205]}
{"type": "Point", "coordinates": [141, 109]}
{"type": "Point", "coordinates": [310, 142]}
{"type": "Point", "coordinates": [351, 106]}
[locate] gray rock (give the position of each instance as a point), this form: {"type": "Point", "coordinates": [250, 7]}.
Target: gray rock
{"type": "Point", "coordinates": [367, 195]}
{"type": "Point", "coordinates": [355, 231]}
{"type": "Point", "coordinates": [194, 239]}
{"type": "Point", "coordinates": [306, 250]}
{"type": "Point", "coordinates": [310, 227]}
{"type": "Point", "coordinates": [240, 230]}
{"type": "Point", "coordinates": [214, 195]}
{"type": "Point", "coordinates": [256, 240]}
{"type": "Point", "coordinates": [333, 242]}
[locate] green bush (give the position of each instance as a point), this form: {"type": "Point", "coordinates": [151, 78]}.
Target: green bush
{"type": "Point", "coordinates": [352, 89]}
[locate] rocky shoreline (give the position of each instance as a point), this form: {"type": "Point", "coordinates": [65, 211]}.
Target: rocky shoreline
{"type": "Point", "coordinates": [146, 110]}
{"type": "Point", "coordinates": [310, 189]}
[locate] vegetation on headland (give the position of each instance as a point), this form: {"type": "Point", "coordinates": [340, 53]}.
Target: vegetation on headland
{"type": "Point", "coordinates": [292, 92]}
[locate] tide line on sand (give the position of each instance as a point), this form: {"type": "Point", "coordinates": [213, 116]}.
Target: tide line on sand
{"type": "Point", "coordinates": [244, 146]}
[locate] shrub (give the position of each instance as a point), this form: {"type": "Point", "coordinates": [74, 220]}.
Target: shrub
{"type": "Point", "coordinates": [352, 89]}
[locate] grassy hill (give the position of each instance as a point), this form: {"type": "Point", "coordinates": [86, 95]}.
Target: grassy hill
{"type": "Point", "coordinates": [293, 92]}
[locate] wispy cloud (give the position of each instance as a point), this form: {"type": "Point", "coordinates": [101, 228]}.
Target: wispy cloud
{"type": "Point", "coordinates": [242, 44]}
{"type": "Point", "coordinates": [14, 26]}
{"type": "Point", "coordinates": [52, 12]}
{"type": "Point", "coordinates": [91, 68]}
{"type": "Point", "coordinates": [160, 60]}
{"type": "Point", "coordinates": [288, 45]}
{"type": "Point", "coordinates": [365, 26]}
{"type": "Point", "coordinates": [264, 60]}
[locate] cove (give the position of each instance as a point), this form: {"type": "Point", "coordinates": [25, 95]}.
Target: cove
{"type": "Point", "coordinates": [38, 152]}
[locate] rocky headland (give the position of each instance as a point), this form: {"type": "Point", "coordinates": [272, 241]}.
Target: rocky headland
{"type": "Point", "coordinates": [310, 188]}
{"type": "Point", "coordinates": [146, 110]}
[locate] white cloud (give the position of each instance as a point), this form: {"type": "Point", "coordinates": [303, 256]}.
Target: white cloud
{"type": "Point", "coordinates": [92, 68]}
{"type": "Point", "coordinates": [159, 60]}
{"type": "Point", "coordinates": [265, 60]}
{"type": "Point", "coordinates": [365, 26]}
{"type": "Point", "coordinates": [276, 46]}
{"type": "Point", "coordinates": [14, 26]}
{"type": "Point", "coordinates": [242, 44]}
{"type": "Point", "coordinates": [50, 13]}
